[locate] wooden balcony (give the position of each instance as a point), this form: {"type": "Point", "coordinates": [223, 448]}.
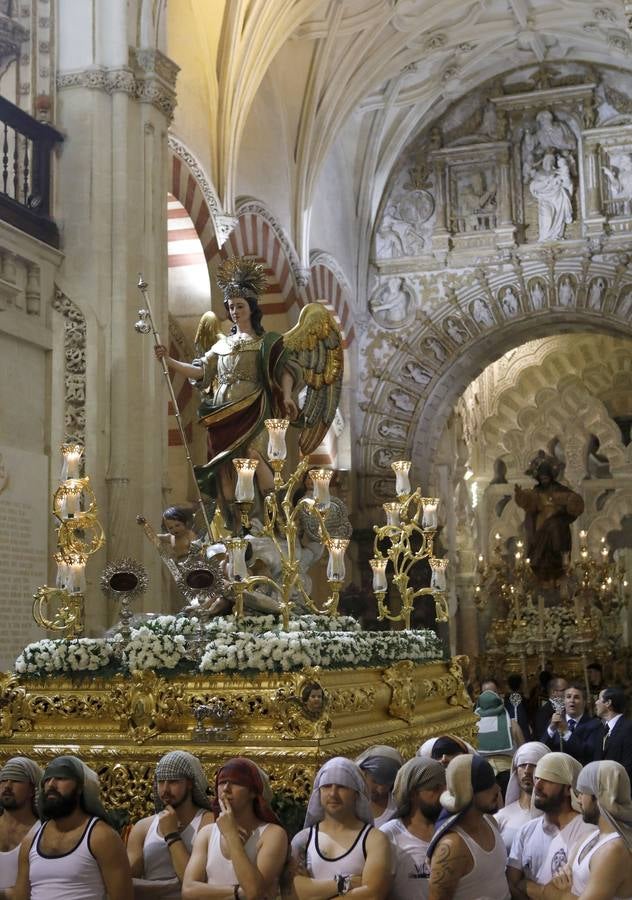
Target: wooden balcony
{"type": "Point", "coordinates": [26, 148]}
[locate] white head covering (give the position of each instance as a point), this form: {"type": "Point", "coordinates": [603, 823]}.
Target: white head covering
{"type": "Point", "coordinates": [609, 782]}
{"type": "Point", "coordinates": [339, 771]}
{"type": "Point", "coordinates": [560, 768]}
{"type": "Point", "coordinates": [529, 753]}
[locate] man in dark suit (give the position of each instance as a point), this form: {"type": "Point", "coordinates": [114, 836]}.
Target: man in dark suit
{"type": "Point", "coordinates": [574, 730]}
{"type": "Point", "coordinates": [615, 740]}
{"type": "Point", "coordinates": [556, 688]}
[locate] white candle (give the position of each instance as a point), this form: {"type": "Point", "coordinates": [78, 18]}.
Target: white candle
{"type": "Point", "coordinates": [61, 580]}
{"type": "Point", "coordinates": [237, 568]}
{"type": "Point", "coordinates": [392, 511]}
{"type": "Point", "coordinates": [401, 467]}
{"type": "Point", "coordinates": [77, 574]}
{"type": "Point", "coordinates": [438, 566]}
{"type": "Point", "coordinates": [378, 565]}
{"type": "Point", "coordinates": [429, 520]}
{"type": "Point", "coordinates": [71, 459]}
{"type": "Point", "coordinates": [70, 503]}
{"type": "Point", "coordinates": [336, 565]}
{"type": "Point", "coordinates": [276, 437]}
{"type": "Point", "coordinates": [321, 479]}
{"type": "Point", "coordinates": [245, 490]}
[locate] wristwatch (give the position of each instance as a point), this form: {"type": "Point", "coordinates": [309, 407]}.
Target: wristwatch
{"type": "Point", "coordinates": [343, 884]}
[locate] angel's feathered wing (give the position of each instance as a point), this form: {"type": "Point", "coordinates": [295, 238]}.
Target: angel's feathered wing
{"type": "Point", "coordinates": [316, 344]}
{"type": "Point", "coordinates": [208, 331]}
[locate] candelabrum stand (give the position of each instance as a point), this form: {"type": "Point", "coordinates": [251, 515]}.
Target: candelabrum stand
{"type": "Point", "coordinates": [79, 535]}
{"type": "Point", "coordinates": [281, 515]}
{"type": "Point", "coordinates": [405, 540]}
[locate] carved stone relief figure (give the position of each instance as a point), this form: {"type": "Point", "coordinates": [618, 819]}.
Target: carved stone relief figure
{"type": "Point", "coordinates": [400, 232]}
{"type": "Point", "coordinates": [624, 306]}
{"type": "Point", "coordinates": [475, 202]}
{"type": "Point", "coordinates": [383, 457]}
{"type": "Point", "coordinates": [437, 349]}
{"type": "Point", "coordinates": [402, 400]}
{"type": "Point", "coordinates": [481, 312]}
{"type": "Point", "coordinates": [619, 179]}
{"type": "Point", "coordinates": [596, 294]}
{"type": "Point", "coordinates": [566, 291]}
{"type": "Point", "coordinates": [552, 187]}
{"type": "Point", "coordinates": [537, 293]}
{"type": "Point", "coordinates": [455, 330]}
{"type": "Point", "coordinates": [613, 106]}
{"type": "Point", "coordinates": [392, 430]}
{"type": "Point", "coordinates": [415, 372]}
{"type": "Point", "coordinates": [509, 302]}
{"type": "Point", "coordinates": [391, 303]}
{"type": "Point", "coordinates": [384, 488]}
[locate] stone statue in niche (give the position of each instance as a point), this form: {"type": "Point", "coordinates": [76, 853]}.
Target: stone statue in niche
{"type": "Point", "coordinates": [596, 293]}
{"type": "Point", "coordinates": [392, 430]}
{"type": "Point", "coordinates": [435, 347]}
{"type": "Point", "coordinates": [551, 133]}
{"type": "Point", "coordinates": [476, 203]}
{"type": "Point", "coordinates": [391, 303]}
{"type": "Point", "coordinates": [402, 400]}
{"type": "Point", "coordinates": [455, 330]}
{"type": "Point", "coordinates": [550, 508]}
{"type": "Point", "coordinates": [566, 291]}
{"type": "Point", "coordinates": [509, 303]}
{"type": "Point", "coordinates": [551, 185]}
{"type": "Point", "coordinates": [415, 372]}
{"type": "Point", "coordinates": [619, 177]}
{"type": "Point", "coordinates": [624, 306]}
{"type": "Point", "coordinates": [537, 294]}
{"type": "Point", "coordinates": [481, 313]}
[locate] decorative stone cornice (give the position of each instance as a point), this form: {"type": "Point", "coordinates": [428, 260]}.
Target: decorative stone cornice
{"type": "Point", "coordinates": [150, 77]}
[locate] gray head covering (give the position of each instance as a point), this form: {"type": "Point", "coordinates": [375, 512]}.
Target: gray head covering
{"type": "Point", "coordinates": [20, 768]}
{"type": "Point", "coordinates": [346, 773]}
{"type": "Point", "coordinates": [609, 782]}
{"type": "Point", "coordinates": [73, 767]}
{"type": "Point", "coordinates": [382, 762]}
{"type": "Point", "coordinates": [178, 765]}
{"type": "Point", "coordinates": [529, 753]}
{"type": "Point", "coordinates": [419, 773]}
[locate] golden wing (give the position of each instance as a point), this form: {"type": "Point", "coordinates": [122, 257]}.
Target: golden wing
{"type": "Point", "coordinates": [208, 331]}
{"type": "Point", "coordinates": [315, 343]}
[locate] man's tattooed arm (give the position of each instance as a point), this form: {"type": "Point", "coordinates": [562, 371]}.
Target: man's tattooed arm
{"type": "Point", "coordinates": [450, 862]}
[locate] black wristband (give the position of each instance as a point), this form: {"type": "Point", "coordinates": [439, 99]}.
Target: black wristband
{"type": "Point", "coordinates": [174, 840]}
{"type": "Point", "coordinates": [172, 834]}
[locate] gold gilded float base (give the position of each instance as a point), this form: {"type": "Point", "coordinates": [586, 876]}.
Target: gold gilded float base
{"type": "Point", "coordinates": [122, 725]}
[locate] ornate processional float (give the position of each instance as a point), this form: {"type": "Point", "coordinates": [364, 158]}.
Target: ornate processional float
{"type": "Point", "coordinates": [251, 665]}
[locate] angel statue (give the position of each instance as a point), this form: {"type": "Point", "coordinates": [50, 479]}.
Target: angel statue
{"type": "Point", "coordinates": [251, 375]}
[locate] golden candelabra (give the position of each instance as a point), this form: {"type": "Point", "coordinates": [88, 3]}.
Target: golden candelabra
{"type": "Point", "coordinates": [405, 540]}
{"type": "Point", "coordinates": [281, 514]}
{"type": "Point", "coordinates": [79, 535]}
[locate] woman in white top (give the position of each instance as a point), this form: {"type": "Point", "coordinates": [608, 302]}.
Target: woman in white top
{"type": "Point", "coordinates": [240, 856]}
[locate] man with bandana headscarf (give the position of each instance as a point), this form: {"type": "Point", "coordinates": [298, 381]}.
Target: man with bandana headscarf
{"type": "Point", "coordinates": [467, 856]}
{"type": "Point", "coordinates": [518, 807]}
{"type": "Point", "coordinates": [601, 864]}
{"type": "Point", "coordinates": [445, 748]}
{"type": "Point", "coordinates": [339, 851]}
{"type": "Point", "coordinates": [542, 846]}
{"type": "Point", "coordinates": [418, 786]}
{"type": "Point", "coordinates": [379, 766]}
{"type": "Point", "coordinates": [159, 846]}
{"type": "Point", "coordinates": [242, 854]}
{"type": "Point", "coordinates": [19, 784]}
{"type": "Point", "coordinates": [75, 853]}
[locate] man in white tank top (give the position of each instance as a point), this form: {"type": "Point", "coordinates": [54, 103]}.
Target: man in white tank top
{"type": "Point", "coordinates": [339, 851]}
{"type": "Point", "coordinates": [543, 846]}
{"type": "Point", "coordinates": [19, 783]}
{"type": "Point", "coordinates": [159, 846]}
{"type": "Point", "coordinates": [243, 853]}
{"type": "Point", "coordinates": [467, 855]}
{"type": "Point", "coordinates": [74, 855]}
{"type": "Point", "coordinates": [380, 765]}
{"type": "Point", "coordinates": [418, 786]}
{"type": "Point", "coordinates": [518, 807]}
{"type": "Point", "coordinates": [601, 863]}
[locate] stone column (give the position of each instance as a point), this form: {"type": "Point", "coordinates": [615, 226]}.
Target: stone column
{"type": "Point", "coordinates": [441, 234]}
{"type": "Point", "coordinates": [594, 219]}
{"type": "Point", "coordinates": [505, 230]}
{"type": "Point", "coordinates": [115, 104]}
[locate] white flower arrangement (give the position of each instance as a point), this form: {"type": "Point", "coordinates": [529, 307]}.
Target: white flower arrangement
{"type": "Point", "coordinates": [259, 645]}
{"type": "Point", "coordinates": [79, 655]}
